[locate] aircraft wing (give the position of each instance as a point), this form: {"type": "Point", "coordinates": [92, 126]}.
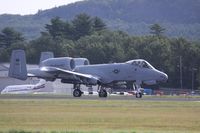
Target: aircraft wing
{"type": "Point", "coordinates": [60, 71]}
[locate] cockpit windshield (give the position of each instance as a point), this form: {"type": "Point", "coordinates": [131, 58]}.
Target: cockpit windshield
{"type": "Point", "coordinates": [141, 63]}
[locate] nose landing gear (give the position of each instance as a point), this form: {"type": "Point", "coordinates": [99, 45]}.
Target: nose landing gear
{"type": "Point", "coordinates": [138, 93]}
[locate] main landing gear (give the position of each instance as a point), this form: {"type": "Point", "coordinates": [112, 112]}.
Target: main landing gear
{"type": "Point", "coordinates": [77, 92]}
{"type": "Point", "coordinates": [102, 91]}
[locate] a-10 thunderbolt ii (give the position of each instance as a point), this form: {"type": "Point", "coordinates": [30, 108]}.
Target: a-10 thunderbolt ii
{"type": "Point", "coordinates": [103, 75]}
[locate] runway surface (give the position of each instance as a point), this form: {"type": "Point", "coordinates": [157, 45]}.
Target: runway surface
{"type": "Point", "coordinates": [90, 97]}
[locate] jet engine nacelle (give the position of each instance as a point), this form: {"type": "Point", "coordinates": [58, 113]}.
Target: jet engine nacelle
{"type": "Point", "coordinates": [81, 61]}
{"type": "Point", "coordinates": [150, 82]}
{"type": "Point", "coordinates": [66, 63]}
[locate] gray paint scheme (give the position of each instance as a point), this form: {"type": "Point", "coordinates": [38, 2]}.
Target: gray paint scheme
{"type": "Point", "coordinates": [135, 70]}
{"type": "Point", "coordinates": [108, 73]}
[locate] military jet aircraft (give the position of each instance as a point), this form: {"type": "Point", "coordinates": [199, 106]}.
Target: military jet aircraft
{"type": "Point", "coordinates": [103, 75]}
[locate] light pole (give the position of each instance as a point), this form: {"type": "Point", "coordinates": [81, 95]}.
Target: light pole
{"type": "Point", "coordinates": [181, 72]}
{"type": "Point", "coordinates": [193, 69]}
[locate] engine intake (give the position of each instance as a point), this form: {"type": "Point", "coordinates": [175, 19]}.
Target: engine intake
{"type": "Point", "coordinates": [81, 61]}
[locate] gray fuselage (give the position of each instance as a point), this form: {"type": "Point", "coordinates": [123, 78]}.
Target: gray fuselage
{"type": "Point", "coordinates": [121, 72]}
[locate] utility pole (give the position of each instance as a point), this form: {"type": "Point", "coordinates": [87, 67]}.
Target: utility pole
{"type": "Point", "coordinates": [193, 70]}
{"type": "Point", "coordinates": [192, 79]}
{"type": "Point", "coordinates": [181, 73]}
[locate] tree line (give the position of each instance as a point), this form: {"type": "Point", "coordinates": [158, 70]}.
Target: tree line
{"type": "Point", "coordinates": [87, 36]}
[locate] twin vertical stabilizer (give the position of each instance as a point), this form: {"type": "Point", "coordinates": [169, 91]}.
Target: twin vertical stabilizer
{"type": "Point", "coordinates": [18, 65]}
{"type": "Point", "coordinates": [46, 55]}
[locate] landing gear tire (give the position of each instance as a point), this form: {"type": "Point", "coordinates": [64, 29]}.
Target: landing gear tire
{"type": "Point", "coordinates": [138, 95]}
{"type": "Point", "coordinates": [102, 93]}
{"type": "Point", "coordinates": [77, 93]}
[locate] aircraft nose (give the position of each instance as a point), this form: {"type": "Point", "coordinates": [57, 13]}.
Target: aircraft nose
{"type": "Point", "coordinates": [163, 77]}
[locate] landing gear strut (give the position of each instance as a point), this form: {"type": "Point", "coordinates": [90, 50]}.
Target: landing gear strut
{"type": "Point", "coordinates": [102, 92]}
{"type": "Point", "coordinates": [77, 92]}
{"type": "Point", "coordinates": [138, 93]}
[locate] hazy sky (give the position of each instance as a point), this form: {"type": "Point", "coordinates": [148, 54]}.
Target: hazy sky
{"type": "Point", "coordinates": [29, 6]}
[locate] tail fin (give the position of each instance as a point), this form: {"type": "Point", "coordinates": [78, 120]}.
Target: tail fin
{"type": "Point", "coordinates": [46, 55]}
{"type": "Point", "coordinates": [18, 65]}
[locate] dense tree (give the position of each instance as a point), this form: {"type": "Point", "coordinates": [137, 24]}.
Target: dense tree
{"type": "Point", "coordinates": [10, 39]}
{"type": "Point", "coordinates": [157, 30]}
{"type": "Point", "coordinates": [9, 36]}
{"type": "Point", "coordinates": [98, 24]}
{"type": "Point", "coordinates": [44, 43]}
{"type": "Point", "coordinates": [82, 25]}
{"type": "Point", "coordinates": [59, 28]}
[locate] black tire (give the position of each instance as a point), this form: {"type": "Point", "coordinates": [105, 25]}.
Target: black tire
{"type": "Point", "coordinates": [138, 95]}
{"type": "Point", "coordinates": [77, 93]}
{"type": "Point", "coordinates": [102, 93]}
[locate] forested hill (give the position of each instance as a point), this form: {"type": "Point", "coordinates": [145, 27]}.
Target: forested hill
{"type": "Point", "coordinates": [133, 11]}
{"type": "Point", "coordinates": [179, 17]}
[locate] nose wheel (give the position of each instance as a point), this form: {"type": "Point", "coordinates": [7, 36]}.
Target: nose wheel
{"type": "Point", "coordinates": [138, 95]}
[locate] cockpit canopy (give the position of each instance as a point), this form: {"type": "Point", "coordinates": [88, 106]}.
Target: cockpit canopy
{"type": "Point", "coordinates": [141, 63]}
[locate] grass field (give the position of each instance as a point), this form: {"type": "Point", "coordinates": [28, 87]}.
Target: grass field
{"type": "Point", "coordinates": [122, 116]}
